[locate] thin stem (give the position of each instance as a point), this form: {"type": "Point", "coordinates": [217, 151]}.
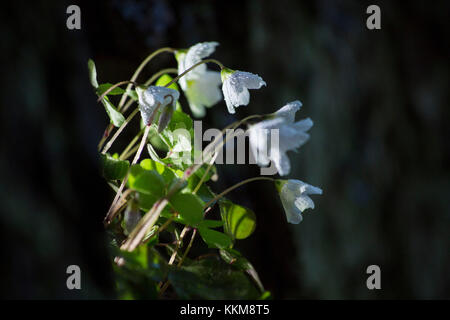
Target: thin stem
{"type": "Point", "coordinates": [130, 153]}
{"type": "Point", "coordinates": [193, 67]}
{"type": "Point", "coordinates": [140, 68]}
{"type": "Point", "coordinates": [118, 84]}
{"type": "Point", "coordinates": [110, 215]}
{"type": "Point", "coordinates": [124, 124]}
{"type": "Point", "coordinates": [150, 81]}
{"type": "Point", "coordinates": [205, 174]}
{"type": "Point", "coordinates": [149, 219]}
{"type": "Point", "coordinates": [166, 224]}
{"type": "Point", "coordinates": [237, 185]}
{"type": "Point", "coordinates": [160, 73]}
{"type": "Point", "coordinates": [194, 233]}
{"type": "Point", "coordinates": [174, 254]}
{"type": "Point", "coordinates": [130, 145]}
{"type": "Point", "coordinates": [131, 101]}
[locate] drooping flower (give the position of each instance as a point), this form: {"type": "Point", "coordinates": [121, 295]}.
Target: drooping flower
{"type": "Point", "coordinates": [200, 85]}
{"type": "Point", "coordinates": [235, 87]}
{"type": "Point", "coordinates": [295, 198]}
{"type": "Point", "coordinates": [291, 136]}
{"type": "Point", "coordinates": [155, 98]}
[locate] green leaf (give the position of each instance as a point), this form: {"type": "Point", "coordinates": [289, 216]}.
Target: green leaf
{"type": "Point", "coordinates": [139, 276]}
{"type": "Point", "coordinates": [112, 168]}
{"type": "Point", "coordinates": [105, 86]}
{"type": "Point", "coordinates": [234, 258]}
{"type": "Point", "coordinates": [210, 224]}
{"type": "Point", "coordinates": [165, 79]}
{"type": "Point", "coordinates": [146, 181]}
{"type": "Point", "coordinates": [146, 201]}
{"type": "Point", "coordinates": [202, 170]}
{"type": "Point", "coordinates": [167, 174]}
{"type": "Point", "coordinates": [115, 117]}
{"type": "Point", "coordinates": [211, 278]}
{"type": "Point", "coordinates": [215, 239]}
{"type": "Point", "coordinates": [189, 207]}
{"type": "Point", "coordinates": [180, 120]}
{"type": "Point", "coordinates": [266, 295]}
{"type": "Point", "coordinates": [204, 192]}
{"type": "Point", "coordinates": [92, 73]}
{"type": "Point", "coordinates": [239, 222]}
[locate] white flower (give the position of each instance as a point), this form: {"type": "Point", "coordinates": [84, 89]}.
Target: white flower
{"type": "Point", "coordinates": [235, 87]}
{"type": "Point", "coordinates": [200, 85]}
{"type": "Point", "coordinates": [292, 135]}
{"type": "Point", "coordinates": [152, 97]}
{"type": "Point", "coordinates": [295, 198]}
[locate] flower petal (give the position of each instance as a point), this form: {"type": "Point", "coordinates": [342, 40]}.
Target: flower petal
{"type": "Point", "coordinates": [295, 199]}
{"type": "Point", "coordinates": [235, 88]}
{"type": "Point", "coordinates": [195, 54]}
{"type": "Point", "coordinates": [304, 202]}
{"type": "Point", "coordinates": [288, 111]}
{"type": "Point", "coordinates": [152, 97]}
{"type": "Point", "coordinates": [287, 196]}
{"type": "Point", "coordinates": [203, 92]}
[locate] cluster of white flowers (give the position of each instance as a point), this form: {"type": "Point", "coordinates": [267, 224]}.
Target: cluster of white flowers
{"type": "Point", "coordinates": [201, 87]}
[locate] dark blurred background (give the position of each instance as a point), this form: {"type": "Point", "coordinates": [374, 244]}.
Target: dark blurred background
{"type": "Point", "coordinates": [379, 147]}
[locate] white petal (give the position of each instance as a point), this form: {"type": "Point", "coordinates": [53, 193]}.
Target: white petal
{"type": "Point", "coordinates": [258, 145]}
{"type": "Point", "coordinates": [235, 88]}
{"type": "Point", "coordinates": [227, 94]}
{"type": "Point", "coordinates": [288, 197]}
{"type": "Point", "coordinates": [289, 110]}
{"type": "Point", "coordinates": [293, 136]}
{"type": "Point", "coordinates": [304, 202]}
{"type": "Point", "coordinates": [303, 125]}
{"type": "Point", "coordinates": [309, 189]}
{"type": "Point", "coordinates": [153, 96]}
{"type": "Point", "coordinates": [295, 199]}
{"type": "Point", "coordinates": [203, 92]}
{"type": "Point", "coordinates": [248, 80]}
{"type": "Point", "coordinates": [181, 58]}
{"type": "Point", "coordinates": [281, 160]}
{"type": "Point", "coordinates": [195, 54]}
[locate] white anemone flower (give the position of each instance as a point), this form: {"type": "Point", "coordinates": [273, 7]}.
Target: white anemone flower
{"type": "Point", "coordinates": [295, 198]}
{"type": "Point", "coordinates": [292, 135]}
{"type": "Point", "coordinates": [152, 97]}
{"type": "Point", "coordinates": [200, 85]}
{"type": "Point", "coordinates": [235, 87]}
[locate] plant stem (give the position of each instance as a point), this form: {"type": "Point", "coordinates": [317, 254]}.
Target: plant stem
{"type": "Point", "coordinates": [124, 124]}
{"type": "Point", "coordinates": [150, 81]}
{"type": "Point", "coordinates": [237, 185]}
{"type": "Point", "coordinates": [194, 233]}
{"type": "Point", "coordinates": [147, 221]}
{"type": "Point", "coordinates": [174, 254]}
{"type": "Point", "coordinates": [166, 224]}
{"type": "Point", "coordinates": [193, 67]}
{"type": "Point", "coordinates": [140, 68]}
{"type": "Point", "coordinates": [130, 153]}
{"type": "Point", "coordinates": [118, 84]}
{"type": "Point", "coordinates": [130, 145]}
{"type": "Point", "coordinates": [110, 215]}
{"type": "Point", "coordinates": [108, 129]}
